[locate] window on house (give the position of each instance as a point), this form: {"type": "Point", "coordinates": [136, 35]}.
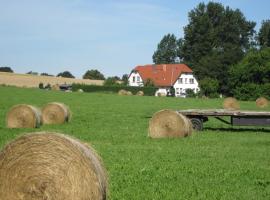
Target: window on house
{"type": "Point", "coordinates": [180, 80]}
{"type": "Point", "coordinates": [185, 80]}
{"type": "Point", "coordinates": [133, 79]}
{"type": "Point", "coordinates": [191, 81]}
{"type": "Point", "coordinates": [177, 90]}
{"type": "Point", "coordinates": [138, 79]}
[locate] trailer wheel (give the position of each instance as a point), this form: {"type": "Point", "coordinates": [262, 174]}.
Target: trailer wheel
{"type": "Point", "coordinates": [197, 124]}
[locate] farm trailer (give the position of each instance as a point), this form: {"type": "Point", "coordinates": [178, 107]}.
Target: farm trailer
{"type": "Point", "coordinates": [239, 118]}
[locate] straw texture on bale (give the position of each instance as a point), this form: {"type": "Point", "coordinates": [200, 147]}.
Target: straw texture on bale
{"type": "Point", "coordinates": [140, 93]}
{"type": "Point", "coordinates": [161, 94]}
{"type": "Point", "coordinates": [49, 166]}
{"type": "Point", "coordinates": [168, 123]}
{"type": "Point", "coordinates": [262, 102]}
{"type": "Point", "coordinates": [122, 92]}
{"type": "Point", "coordinates": [129, 93]}
{"type": "Point", "coordinates": [231, 103]}
{"type": "Point", "coordinates": [23, 116]}
{"type": "Point", "coordinates": [55, 87]}
{"type": "Point", "coordinates": [55, 113]}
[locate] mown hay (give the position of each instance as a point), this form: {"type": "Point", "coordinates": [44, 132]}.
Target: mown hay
{"type": "Point", "coordinates": [231, 103]}
{"type": "Point", "coordinates": [140, 93]}
{"type": "Point", "coordinates": [168, 123]}
{"type": "Point", "coordinates": [161, 94]}
{"type": "Point", "coordinates": [55, 113]}
{"type": "Point", "coordinates": [122, 92]}
{"type": "Point", "coordinates": [55, 87]}
{"type": "Point", "coordinates": [23, 116]}
{"type": "Point", "coordinates": [262, 102]}
{"type": "Point", "coordinates": [51, 166]}
{"type": "Point", "coordinates": [129, 93]}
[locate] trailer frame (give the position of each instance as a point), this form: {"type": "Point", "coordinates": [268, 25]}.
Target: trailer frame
{"type": "Point", "coordinates": [239, 118]}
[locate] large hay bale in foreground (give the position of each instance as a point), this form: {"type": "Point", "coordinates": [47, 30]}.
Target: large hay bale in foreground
{"type": "Point", "coordinates": [231, 103]}
{"type": "Point", "coordinates": [55, 113]}
{"type": "Point", "coordinates": [122, 92]}
{"type": "Point", "coordinates": [168, 123]}
{"type": "Point", "coordinates": [23, 116]}
{"type": "Point", "coordinates": [140, 93]}
{"type": "Point", "coordinates": [262, 102]}
{"type": "Point", "coordinates": [50, 166]}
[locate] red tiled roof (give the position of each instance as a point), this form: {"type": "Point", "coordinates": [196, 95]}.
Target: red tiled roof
{"type": "Point", "coordinates": [164, 74]}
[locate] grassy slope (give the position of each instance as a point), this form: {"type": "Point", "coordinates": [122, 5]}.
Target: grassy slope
{"type": "Point", "coordinates": [214, 164]}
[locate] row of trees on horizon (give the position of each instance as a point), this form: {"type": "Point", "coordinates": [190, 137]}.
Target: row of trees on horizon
{"type": "Point", "coordinates": [92, 74]}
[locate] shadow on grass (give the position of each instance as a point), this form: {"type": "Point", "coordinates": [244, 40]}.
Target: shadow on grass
{"type": "Point", "coordinates": [232, 129]}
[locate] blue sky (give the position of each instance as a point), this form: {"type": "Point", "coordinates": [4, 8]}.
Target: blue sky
{"type": "Point", "coordinates": [111, 36]}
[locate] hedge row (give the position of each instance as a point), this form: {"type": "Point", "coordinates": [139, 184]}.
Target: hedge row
{"type": "Point", "coordinates": [250, 91]}
{"type": "Point", "coordinates": [148, 91]}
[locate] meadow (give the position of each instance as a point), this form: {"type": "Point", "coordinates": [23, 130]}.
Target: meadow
{"type": "Point", "coordinates": [221, 162]}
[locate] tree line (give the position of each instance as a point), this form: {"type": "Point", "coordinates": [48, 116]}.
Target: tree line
{"type": "Point", "coordinates": [223, 49]}
{"type": "Point", "coordinates": [92, 74]}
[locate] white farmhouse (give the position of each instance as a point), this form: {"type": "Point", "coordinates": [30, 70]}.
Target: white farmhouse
{"type": "Point", "coordinates": [165, 76]}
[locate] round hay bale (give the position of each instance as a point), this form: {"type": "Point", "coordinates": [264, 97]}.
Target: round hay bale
{"type": "Point", "coordinates": [55, 113]}
{"type": "Point", "coordinates": [55, 87]}
{"type": "Point", "coordinates": [262, 102]}
{"type": "Point", "coordinates": [168, 123]}
{"type": "Point", "coordinates": [23, 116]}
{"type": "Point", "coordinates": [122, 92]}
{"type": "Point", "coordinates": [231, 103]}
{"type": "Point", "coordinates": [51, 166]}
{"type": "Point", "coordinates": [129, 93]}
{"type": "Point", "coordinates": [140, 93]}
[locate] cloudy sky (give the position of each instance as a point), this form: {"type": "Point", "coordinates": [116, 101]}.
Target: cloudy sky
{"type": "Point", "coordinates": [112, 36]}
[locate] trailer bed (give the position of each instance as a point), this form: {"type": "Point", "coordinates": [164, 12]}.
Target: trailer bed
{"type": "Point", "coordinates": [237, 117]}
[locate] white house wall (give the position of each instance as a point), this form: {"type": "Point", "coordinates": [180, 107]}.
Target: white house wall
{"type": "Point", "coordinates": [184, 82]}
{"type": "Point", "coordinates": [135, 80]}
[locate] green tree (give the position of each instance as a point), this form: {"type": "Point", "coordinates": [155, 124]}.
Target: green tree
{"type": "Point", "coordinates": [167, 50]}
{"type": "Point", "coordinates": [6, 69]}
{"type": "Point", "coordinates": [93, 74]}
{"type": "Point", "coordinates": [45, 74]}
{"type": "Point", "coordinates": [32, 73]}
{"type": "Point", "coordinates": [264, 34]}
{"type": "Point", "coordinates": [125, 79]}
{"type": "Point", "coordinates": [215, 38]}
{"type": "Point", "coordinates": [250, 77]}
{"type": "Point", "coordinates": [65, 74]}
{"type": "Point", "coordinates": [209, 87]}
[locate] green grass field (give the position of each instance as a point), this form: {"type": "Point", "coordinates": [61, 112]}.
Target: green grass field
{"type": "Point", "coordinates": [221, 162]}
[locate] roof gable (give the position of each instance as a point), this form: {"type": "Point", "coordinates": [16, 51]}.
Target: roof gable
{"type": "Point", "coordinates": [164, 74]}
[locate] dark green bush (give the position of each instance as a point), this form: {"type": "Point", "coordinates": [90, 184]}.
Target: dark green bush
{"type": "Point", "coordinates": [148, 91]}
{"type": "Point", "coordinates": [251, 91]}
{"type": "Point", "coordinates": [40, 86]}
{"type": "Point", "coordinates": [190, 93]}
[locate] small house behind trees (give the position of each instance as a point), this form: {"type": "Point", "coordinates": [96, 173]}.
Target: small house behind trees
{"type": "Point", "coordinates": [165, 76]}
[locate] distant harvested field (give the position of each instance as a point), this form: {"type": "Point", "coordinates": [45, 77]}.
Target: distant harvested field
{"type": "Point", "coordinates": [32, 81]}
